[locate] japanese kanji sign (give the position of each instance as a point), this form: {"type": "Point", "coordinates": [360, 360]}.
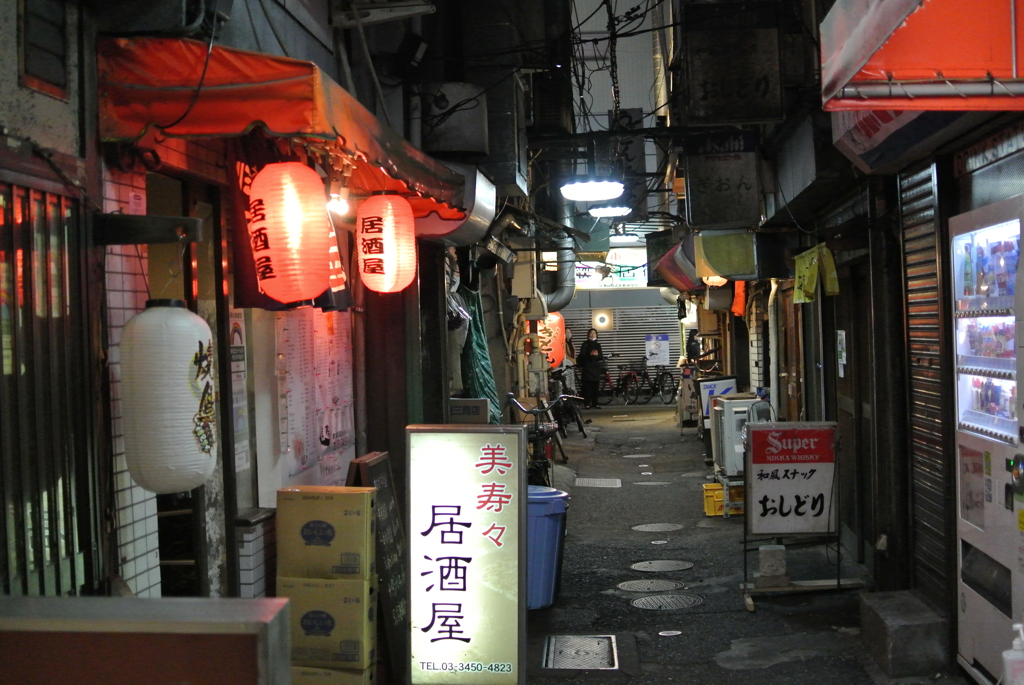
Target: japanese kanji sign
{"type": "Point", "coordinates": [467, 534]}
{"type": "Point", "coordinates": [790, 478]}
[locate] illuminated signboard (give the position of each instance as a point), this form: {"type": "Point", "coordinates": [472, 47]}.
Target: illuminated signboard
{"type": "Point", "coordinates": [624, 267]}
{"type": "Point", "coordinates": [790, 475]}
{"type": "Point", "coordinates": [467, 548]}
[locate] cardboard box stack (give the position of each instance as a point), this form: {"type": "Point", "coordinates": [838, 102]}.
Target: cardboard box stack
{"type": "Point", "coordinates": [326, 551]}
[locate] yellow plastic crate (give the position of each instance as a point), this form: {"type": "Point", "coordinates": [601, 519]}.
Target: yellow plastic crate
{"type": "Point", "coordinates": [713, 499]}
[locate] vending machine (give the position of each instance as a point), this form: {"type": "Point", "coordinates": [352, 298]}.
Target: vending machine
{"type": "Point", "coordinates": [985, 247]}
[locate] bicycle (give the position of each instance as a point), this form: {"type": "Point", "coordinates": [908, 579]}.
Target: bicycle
{"type": "Point", "coordinates": [566, 411]}
{"type": "Point", "coordinates": [540, 435]}
{"type": "Point", "coordinates": [626, 385]}
{"type": "Point", "coordinates": [664, 384]}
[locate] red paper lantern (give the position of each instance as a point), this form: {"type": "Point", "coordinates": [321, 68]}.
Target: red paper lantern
{"type": "Point", "coordinates": [551, 332]}
{"type": "Point", "coordinates": [386, 243]}
{"type": "Point", "coordinates": [289, 232]}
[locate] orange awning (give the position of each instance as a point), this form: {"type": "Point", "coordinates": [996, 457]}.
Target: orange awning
{"type": "Point", "coordinates": [963, 55]}
{"type": "Point", "coordinates": [146, 82]}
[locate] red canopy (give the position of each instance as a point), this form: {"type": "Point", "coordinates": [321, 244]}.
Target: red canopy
{"type": "Point", "coordinates": [146, 82]}
{"type": "Point", "coordinates": [917, 55]}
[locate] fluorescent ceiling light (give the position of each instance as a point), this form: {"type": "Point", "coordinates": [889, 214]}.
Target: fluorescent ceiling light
{"type": "Point", "coordinates": [609, 210]}
{"type": "Point", "coordinates": [592, 190]}
{"type": "Point", "coordinates": [624, 237]}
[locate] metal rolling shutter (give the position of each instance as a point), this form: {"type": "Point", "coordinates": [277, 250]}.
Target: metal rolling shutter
{"type": "Point", "coordinates": [929, 408]}
{"type": "Point", "coordinates": [627, 339]}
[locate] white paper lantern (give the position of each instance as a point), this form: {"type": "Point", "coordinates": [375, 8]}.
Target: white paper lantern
{"type": "Point", "coordinates": [168, 398]}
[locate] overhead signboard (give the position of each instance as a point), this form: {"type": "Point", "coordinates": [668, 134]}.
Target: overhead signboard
{"type": "Point", "coordinates": [790, 478]}
{"type": "Point", "coordinates": [467, 548]}
{"type": "Point", "coordinates": [721, 180]}
{"type": "Point", "coordinates": [735, 76]}
{"type": "Point", "coordinates": [624, 267]}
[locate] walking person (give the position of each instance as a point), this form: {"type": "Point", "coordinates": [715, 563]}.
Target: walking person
{"type": "Point", "coordinates": [590, 360]}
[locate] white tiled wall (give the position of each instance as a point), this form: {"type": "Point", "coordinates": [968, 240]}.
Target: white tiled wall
{"type": "Point", "coordinates": [758, 365]}
{"type": "Point", "coordinates": [257, 559]}
{"type": "Point", "coordinates": [138, 550]}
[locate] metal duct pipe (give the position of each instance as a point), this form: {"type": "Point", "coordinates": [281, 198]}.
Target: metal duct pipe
{"type": "Point", "coordinates": [946, 89]}
{"type": "Point", "coordinates": [773, 349]}
{"type": "Point", "coordinates": [565, 277]}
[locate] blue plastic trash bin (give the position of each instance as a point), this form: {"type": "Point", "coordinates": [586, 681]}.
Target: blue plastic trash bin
{"type": "Point", "coordinates": [545, 537]}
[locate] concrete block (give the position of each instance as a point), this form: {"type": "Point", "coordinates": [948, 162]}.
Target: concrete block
{"type": "Point", "coordinates": [761, 581]}
{"type": "Point", "coordinates": [903, 635]}
{"type": "Point", "coordinates": [772, 560]}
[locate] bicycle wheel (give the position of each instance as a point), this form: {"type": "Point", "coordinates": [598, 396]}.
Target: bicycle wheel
{"type": "Point", "coordinates": [630, 391]}
{"type": "Point", "coordinates": [574, 410]}
{"type": "Point", "coordinates": [668, 388]}
{"type": "Point", "coordinates": [605, 392]}
{"type": "Point", "coordinates": [645, 389]}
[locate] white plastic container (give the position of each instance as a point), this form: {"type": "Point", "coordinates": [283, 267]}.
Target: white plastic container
{"type": "Point", "coordinates": [1013, 659]}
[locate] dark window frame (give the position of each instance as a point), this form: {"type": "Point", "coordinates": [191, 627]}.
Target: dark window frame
{"type": "Point", "coordinates": [33, 21]}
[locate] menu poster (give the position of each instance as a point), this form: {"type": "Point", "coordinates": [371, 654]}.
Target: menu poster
{"type": "Point", "coordinates": [315, 367]}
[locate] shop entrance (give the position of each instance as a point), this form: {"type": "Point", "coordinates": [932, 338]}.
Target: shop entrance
{"type": "Point", "coordinates": [854, 391]}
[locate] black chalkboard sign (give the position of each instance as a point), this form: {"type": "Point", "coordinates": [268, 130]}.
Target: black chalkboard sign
{"type": "Point", "coordinates": [374, 470]}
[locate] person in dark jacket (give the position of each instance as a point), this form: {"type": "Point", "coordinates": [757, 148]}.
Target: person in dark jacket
{"type": "Point", "coordinates": [590, 360]}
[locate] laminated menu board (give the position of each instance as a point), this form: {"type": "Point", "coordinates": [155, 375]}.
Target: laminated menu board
{"type": "Point", "coordinates": [314, 367]}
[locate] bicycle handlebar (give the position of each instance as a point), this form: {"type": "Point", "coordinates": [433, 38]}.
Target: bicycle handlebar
{"type": "Point", "coordinates": [537, 411]}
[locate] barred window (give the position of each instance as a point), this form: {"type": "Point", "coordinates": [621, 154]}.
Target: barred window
{"type": "Point", "coordinates": [48, 531]}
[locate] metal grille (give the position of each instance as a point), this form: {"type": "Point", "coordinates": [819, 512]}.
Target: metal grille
{"type": "Point", "coordinates": [657, 527]}
{"type": "Point", "coordinates": [48, 535]}
{"type": "Point", "coordinates": [666, 602]}
{"type": "Point", "coordinates": [650, 585]}
{"type": "Point", "coordinates": [637, 456]}
{"type": "Point", "coordinates": [627, 338]}
{"type": "Point", "coordinates": [598, 483]}
{"type": "Point", "coordinates": [652, 482]}
{"type": "Point", "coordinates": [587, 652]}
{"type": "Point", "coordinates": [930, 410]}
{"type": "Point", "coordinates": [662, 565]}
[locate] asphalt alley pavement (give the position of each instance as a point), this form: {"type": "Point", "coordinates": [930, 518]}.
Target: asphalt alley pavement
{"type": "Point", "coordinates": [811, 638]}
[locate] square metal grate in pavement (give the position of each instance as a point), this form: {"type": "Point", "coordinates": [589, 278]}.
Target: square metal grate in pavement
{"type": "Point", "coordinates": [585, 652]}
{"type": "Point", "coordinates": [598, 483]}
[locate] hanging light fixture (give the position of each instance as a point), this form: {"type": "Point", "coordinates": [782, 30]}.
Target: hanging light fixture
{"type": "Point", "coordinates": [715, 281]}
{"type": "Point", "coordinates": [386, 243]}
{"type": "Point", "coordinates": [623, 237]}
{"type": "Point", "coordinates": [592, 189]}
{"type": "Point", "coordinates": [289, 232]}
{"type": "Point", "coordinates": [168, 395]}
{"type": "Point", "coordinates": [609, 210]}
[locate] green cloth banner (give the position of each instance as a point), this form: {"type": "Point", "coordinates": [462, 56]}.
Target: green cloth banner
{"type": "Point", "coordinates": [477, 373]}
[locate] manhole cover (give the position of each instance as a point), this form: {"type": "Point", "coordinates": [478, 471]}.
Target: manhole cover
{"type": "Point", "coordinates": [657, 527]}
{"type": "Point", "coordinates": [651, 585]}
{"type": "Point", "coordinates": [637, 456]}
{"type": "Point", "coordinates": [591, 652]}
{"type": "Point", "coordinates": [662, 565]}
{"type": "Point", "coordinates": [598, 483]}
{"type": "Point", "coordinates": [670, 633]}
{"type": "Point", "coordinates": [666, 602]}
{"type": "Point", "coordinates": [652, 482]}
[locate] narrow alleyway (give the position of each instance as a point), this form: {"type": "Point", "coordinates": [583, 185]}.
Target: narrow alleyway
{"type": "Point", "coordinates": [811, 638]}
